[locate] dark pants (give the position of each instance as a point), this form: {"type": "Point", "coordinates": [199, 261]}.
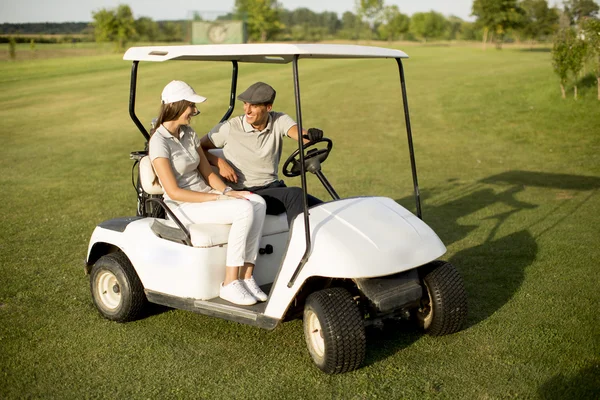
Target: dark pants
{"type": "Point", "coordinates": [280, 198]}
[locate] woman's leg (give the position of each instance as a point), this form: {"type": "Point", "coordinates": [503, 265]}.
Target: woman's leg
{"type": "Point", "coordinates": [247, 220]}
{"type": "Point", "coordinates": [238, 213]}
{"type": "Point", "coordinates": [255, 233]}
{"type": "Point", "coordinates": [259, 207]}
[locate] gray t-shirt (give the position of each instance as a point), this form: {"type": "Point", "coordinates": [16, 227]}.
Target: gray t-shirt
{"type": "Point", "coordinates": [253, 154]}
{"type": "Point", "coordinates": [183, 156]}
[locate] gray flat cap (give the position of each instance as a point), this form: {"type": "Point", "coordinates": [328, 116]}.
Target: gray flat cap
{"type": "Point", "coordinates": [258, 93]}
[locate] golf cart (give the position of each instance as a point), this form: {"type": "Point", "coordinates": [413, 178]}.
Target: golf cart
{"type": "Point", "coordinates": [341, 266]}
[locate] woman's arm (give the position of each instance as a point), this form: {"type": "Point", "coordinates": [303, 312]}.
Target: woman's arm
{"type": "Point", "coordinates": [162, 166]}
{"type": "Point", "coordinates": [207, 172]}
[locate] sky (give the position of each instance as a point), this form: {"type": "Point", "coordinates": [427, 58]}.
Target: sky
{"type": "Point", "coordinates": [16, 11]}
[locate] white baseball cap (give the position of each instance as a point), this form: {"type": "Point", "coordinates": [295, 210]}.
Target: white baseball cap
{"type": "Point", "coordinates": [179, 90]}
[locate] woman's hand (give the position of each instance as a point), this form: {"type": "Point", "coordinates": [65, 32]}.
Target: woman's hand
{"type": "Point", "coordinates": [238, 194]}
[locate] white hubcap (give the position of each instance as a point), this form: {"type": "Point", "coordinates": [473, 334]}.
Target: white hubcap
{"type": "Point", "coordinates": [315, 334]}
{"type": "Point", "coordinates": [108, 290]}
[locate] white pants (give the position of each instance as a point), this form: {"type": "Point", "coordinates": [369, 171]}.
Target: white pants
{"type": "Point", "coordinates": [246, 217]}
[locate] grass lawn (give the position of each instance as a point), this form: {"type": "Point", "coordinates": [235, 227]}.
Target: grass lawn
{"type": "Point", "coordinates": [509, 174]}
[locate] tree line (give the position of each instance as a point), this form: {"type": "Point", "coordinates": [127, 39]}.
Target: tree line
{"type": "Point", "coordinates": [497, 21]}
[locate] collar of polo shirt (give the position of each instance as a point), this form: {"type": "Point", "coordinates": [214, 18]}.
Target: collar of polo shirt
{"type": "Point", "coordinates": [164, 132]}
{"type": "Point", "coordinates": [249, 128]}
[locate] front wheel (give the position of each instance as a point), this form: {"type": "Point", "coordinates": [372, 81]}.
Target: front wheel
{"type": "Point", "coordinates": [443, 308]}
{"type": "Point", "coordinates": [334, 330]}
{"type": "Point", "coordinates": [116, 289]}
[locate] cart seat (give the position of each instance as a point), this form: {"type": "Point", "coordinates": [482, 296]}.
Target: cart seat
{"type": "Point", "coordinates": [202, 235]}
{"type": "Point", "coordinates": [148, 178]}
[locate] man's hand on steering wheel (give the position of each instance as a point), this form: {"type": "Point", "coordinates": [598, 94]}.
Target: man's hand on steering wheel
{"type": "Point", "coordinates": [314, 134]}
{"type": "Point", "coordinates": [314, 155]}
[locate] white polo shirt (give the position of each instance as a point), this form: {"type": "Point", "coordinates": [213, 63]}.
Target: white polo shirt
{"type": "Point", "coordinates": [253, 154]}
{"type": "Point", "coordinates": [183, 156]}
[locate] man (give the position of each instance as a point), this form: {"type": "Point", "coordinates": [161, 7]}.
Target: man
{"type": "Point", "coordinates": [252, 145]}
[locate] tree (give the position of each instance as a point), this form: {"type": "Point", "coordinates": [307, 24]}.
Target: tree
{"type": "Point", "coordinates": [104, 22]}
{"type": "Point", "coordinates": [578, 9]}
{"type": "Point", "coordinates": [429, 25]}
{"type": "Point", "coordinates": [368, 11]}
{"type": "Point", "coordinates": [469, 31]}
{"type": "Point", "coordinates": [330, 21]}
{"type": "Point", "coordinates": [12, 48]}
{"type": "Point", "coordinates": [560, 56]}
{"type": "Point", "coordinates": [125, 25]}
{"type": "Point", "coordinates": [305, 24]}
{"type": "Point", "coordinates": [568, 55]}
{"type": "Point", "coordinates": [352, 25]}
{"type": "Point", "coordinates": [393, 23]}
{"type": "Point", "coordinates": [539, 19]}
{"type": "Point", "coordinates": [453, 27]}
{"type": "Point", "coordinates": [497, 16]}
{"type": "Point", "coordinates": [170, 31]}
{"type": "Point", "coordinates": [577, 56]}
{"type": "Point", "coordinates": [591, 29]}
{"type": "Point", "coordinates": [146, 29]}
{"type": "Point", "coordinates": [261, 16]}
{"type": "Point", "coordinates": [114, 25]}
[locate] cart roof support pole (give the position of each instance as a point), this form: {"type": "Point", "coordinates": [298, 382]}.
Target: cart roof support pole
{"type": "Point", "coordinates": [234, 77]}
{"type": "Point", "coordinates": [302, 174]}
{"type": "Point", "coordinates": [132, 90]}
{"type": "Point", "coordinates": [413, 163]}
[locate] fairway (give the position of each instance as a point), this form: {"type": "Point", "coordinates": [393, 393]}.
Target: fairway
{"type": "Point", "coordinates": [510, 179]}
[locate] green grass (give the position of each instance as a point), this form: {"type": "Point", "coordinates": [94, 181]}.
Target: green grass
{"type": "Point", "coordinates": [509, 175]}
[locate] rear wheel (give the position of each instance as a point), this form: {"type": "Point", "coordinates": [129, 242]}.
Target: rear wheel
{"type": "Point", "coordinates": [334, 330]}
{"type": "Point", "coordinates": [116, 289]}
{"type": "Point", "coordinates": [443, 308]}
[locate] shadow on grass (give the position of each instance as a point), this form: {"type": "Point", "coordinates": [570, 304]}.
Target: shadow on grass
{"type": "Point", "coordinates": [493, 270]}
{"type": "Point", "coordinates": [394, 336]}
{"type": "Point", "coordinates": [588, 81]}
{"type": "Point", "coordinates": [537, 50]}
{"type": "Point", "coordinates": [584, 385]}
{"type": "Point", "coordinates": [155, 309]}
{"type": "Point", "coordinates": [541, 179]}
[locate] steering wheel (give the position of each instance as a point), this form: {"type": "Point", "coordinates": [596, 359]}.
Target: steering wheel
{"type": "Point", "coordinates": [312, 159]}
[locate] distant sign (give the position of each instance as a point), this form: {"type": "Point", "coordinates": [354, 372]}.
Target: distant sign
{"type": "Point", "coordinates": [218, 32]}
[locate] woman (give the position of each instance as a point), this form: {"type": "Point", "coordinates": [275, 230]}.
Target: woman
{"type": "Point", "coordinates": [196, 194]}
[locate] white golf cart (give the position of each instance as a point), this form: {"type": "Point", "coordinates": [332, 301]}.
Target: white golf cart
{"type": "Point", "coordinates": [341, 265]}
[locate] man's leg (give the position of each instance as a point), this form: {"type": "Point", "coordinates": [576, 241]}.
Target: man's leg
{"type": "Point", "coordinates": [282, 199]}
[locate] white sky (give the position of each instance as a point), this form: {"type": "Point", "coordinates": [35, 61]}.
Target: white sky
{"type": "Point", "coordinates": [15, 11]}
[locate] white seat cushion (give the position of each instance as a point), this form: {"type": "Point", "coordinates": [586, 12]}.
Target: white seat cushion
{"type": "Point", "coordinates": [147, 177]}
{"type": "Point", "coordinates": [275, 224]}
{"type": "Point", "coordinates": [203, 235]}
{"type": "Point", "coordinates": [209, 235]}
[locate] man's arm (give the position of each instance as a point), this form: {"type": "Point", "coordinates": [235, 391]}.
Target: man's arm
{"type": "Point", "coordinates": [312, 134]}
{"type": "Point", "coordinates": [222, 165]}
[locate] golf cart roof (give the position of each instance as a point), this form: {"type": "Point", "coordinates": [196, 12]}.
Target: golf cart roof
{"type": "Point", "coordinates": [258, 53]}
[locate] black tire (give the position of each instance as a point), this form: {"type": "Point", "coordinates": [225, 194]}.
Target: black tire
{"type": "Point", "coordinates": [117, 291]}
{"type": "Point", "coordinates": [443, 308]}
{"type": "Point", "coordinates": [334, 330]}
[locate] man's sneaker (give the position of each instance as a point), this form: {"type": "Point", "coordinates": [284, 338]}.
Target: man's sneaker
{"type": "Point", "coordinates": [254, 290]}
{"type": "Point", "coordinates": [236, 293]}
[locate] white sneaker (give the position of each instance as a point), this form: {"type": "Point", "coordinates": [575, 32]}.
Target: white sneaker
{"type": "Point", "coordinates": [236, 293]}
{"type": "Point", "coordinates": [254, 289]}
